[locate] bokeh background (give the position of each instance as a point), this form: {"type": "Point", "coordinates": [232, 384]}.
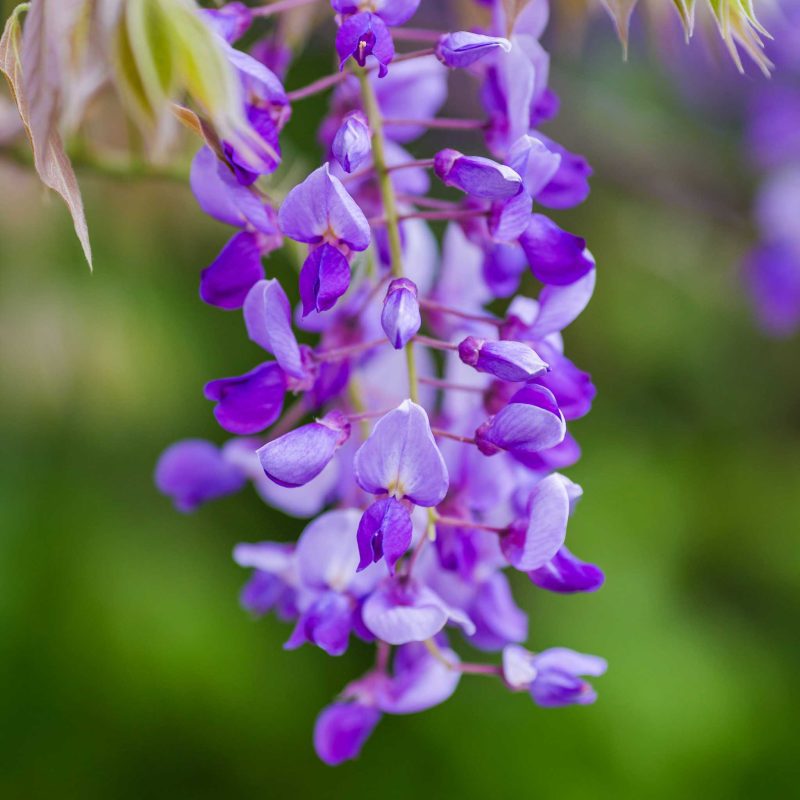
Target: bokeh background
{"type": "Point", "coordinates": [128, 669]}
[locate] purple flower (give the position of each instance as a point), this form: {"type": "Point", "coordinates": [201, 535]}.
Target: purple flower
{"type": "Point", "coordinates": [400, 318]}
{"type": "Point", "coordinates": [555, 256]}
{"type": "Point", "coordinates": [401, 613]}
{"type": "Point", "coordinates": [531, 422]}
{"type": "Point", "coordinates": [553, 676]}
{"type": "Point", "coordinates": [463, 48]}
{"type": "Point", "coordinates": [341, 731]}
{"type": "Point", "coordinates": [226, 282]}
{"type": "Point", "coordinates": [498, 620]}
{"type": "Point", "coordinates": [320, 210]}
{"type": "Point", "coordinates": [324, 278]}
{"type": "Point", "coordinates": [194, 471]}
{"type": "Point", "coordinates": [385, 529]}
{"type": "Point", "coordinates": [231, 21]}
{"type": "Point", "coordinates": [569, 185]}
{"type": "Point", "coordinates": [364, 35]}
{"type": "Point", "coordinates": [537, 163]}
{"type": "Point", "coordinates": [251, 402]}
{"type": "Point", "coordinates": [352, 144]}
{"type": "Point", "coordinates": [298, 457]}
{"type": "Point", "coordinates": [772, 273]}
{"type": "Point", "coordinates": [509, 361]}
{"type": "Point", "coordinates": [477, 176]}
{"type": "Point", "coordinates": [567, 574]}
{"type": "Point", "coordinates": [534, 540]}
{"type": "Point", "coordinates": [401, 458]}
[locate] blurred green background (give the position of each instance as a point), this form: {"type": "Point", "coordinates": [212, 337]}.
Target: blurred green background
{"type": "Point", "coordinates": [128, 669]}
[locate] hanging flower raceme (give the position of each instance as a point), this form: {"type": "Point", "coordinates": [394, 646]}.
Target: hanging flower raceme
{"type": "Point", "coordinates": [426, 433]}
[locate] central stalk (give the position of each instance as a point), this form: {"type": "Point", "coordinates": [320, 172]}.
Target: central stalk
{"type": "Point", "coordinates": [389, 206]}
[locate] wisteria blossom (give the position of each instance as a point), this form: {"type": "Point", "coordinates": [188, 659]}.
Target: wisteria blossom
{"type": "Point", "coordinates": [420, 432]}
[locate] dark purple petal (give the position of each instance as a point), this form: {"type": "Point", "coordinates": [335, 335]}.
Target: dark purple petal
{"type": "Point", "coordinates": [567, 574]}
{"type": "Point", "coordinates": [569, 185]}
{"type": "Point", "coordinates": [298, 457]}
{"type": "Point", "coordinates": [251, 402]}
{"type": "Point", "coordinates": [401, 458]}
{"type": "Point", "coordinates": [463, 48]}
{"type": "Point", "coordinates": [268, 318]}
{"type": "Point", "coordinates": [477, 176]}
{"type": "Point", "coordinates": [772, 274]}
{"type": "Point", "coordinates": [400, 317]}
{"type": "Point", "coordinates": [532, 542]}
{"type": "Point", "coordinates": [364, 35]}
{"type": "Point", "coordinates": [509, 361]}
{"type": "Point", "coordinates": [324, 278]}
{"type": "Point", "coordinates": [561, 456]}
{"type": "Point", "coordinates": [385, 529]}
{"type": "Point", "coordinates": [341, 730]}
{"type": "Point", "coordinates": [572, 388]}
{"type": "Point", "coordinates": [352, 144]}
{"type": "Point", "coordinates": [554, 255]}
{"type": "Point", "coordinates": [320, 208]}
{"type": "Point", "coordinates": [503, 267]}
{"type": "Point", "coordinates": [226, 282]}
{"type": "Point", "coordinates": [194, 471]}
{"type": "Point", "coordinates": [262, 122]}
{"type": "Point", "coordinates": [326, 623]}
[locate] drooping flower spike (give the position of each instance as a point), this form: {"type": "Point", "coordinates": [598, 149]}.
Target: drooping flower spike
{"type": "Point", "coordinates": [420, 433]}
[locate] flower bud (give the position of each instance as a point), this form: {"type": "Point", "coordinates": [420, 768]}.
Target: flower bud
{"type": "Point", "coordinates": [401, 318]}
{"type": "Point", "coordinates": [509, 361]}
{"type": "Point", "coordinates": [463, 48]}
{"type": "Point", "coordinates": [477, 176]}
{"type": "Point", "coordinates": [352, 143]}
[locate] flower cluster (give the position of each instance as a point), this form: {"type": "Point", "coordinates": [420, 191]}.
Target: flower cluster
{"type": "Point", "coordinates": [772, 269]}
{"type": "Point", "coordinates": [425, 433]}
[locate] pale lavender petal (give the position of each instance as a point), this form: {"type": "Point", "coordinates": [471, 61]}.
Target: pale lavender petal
{"type": "Point", "coordinates": [463, 48]}
{"type": "Point", "coordinates": [401, 458]}
{"type": "Point", "coordinates": [534, 161]}
{"type": "Point", "coordinates": [509, 361]}
{"type": "Point", "coordinates": [341, 731]}
{"type": "Point", "coordinates": [230, 22]}
{"type": "Point", "coordinates": [533, 542]}
{"type": "Point", "coordinates": [508, 219]}
{"type": "Point", "coordinates": [498, 619]}
{"type": "Point", "coordinates": [395, 12]}
{"type": "Point", "coordinates": [327, 554]}
{"type": "Point", "coordinates": [268, 318]}
{"type": "Point", "coordinates": [251, 402]}
{"type": "Point", "coordinates": [193, 472]}
{"type": "Point", "coordinates": [420, 681]}
{"type": "Point", "coordinates": [297, 457]}
{"type": "Point", "coordinates": [558, 681]}
{"type": "Point", "coordinates": [276, 558]}
{"type": "Point", "coordinates": [320, 207]}
{"type": "Point", "coordinates": [401, 614]}
{"type": "Point", "coordinates": [477, 176]}
{"type": "Point", "coordinates": [561, 305]}
{"type": "Point", "coordinates": [518, 666]}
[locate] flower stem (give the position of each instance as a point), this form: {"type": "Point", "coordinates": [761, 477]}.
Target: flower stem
{"type": "Point", "coordinates": [317, 86]}
{"type": "Point", "coordinates": [389, 206]}
{"type": "Point", "coordinates": [279, 6]}
{"type": "Point", "coordinates": [441, 123]}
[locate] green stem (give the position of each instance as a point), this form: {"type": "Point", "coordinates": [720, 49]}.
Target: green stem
{"type": "Point", "coordinates": [389, 207]}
